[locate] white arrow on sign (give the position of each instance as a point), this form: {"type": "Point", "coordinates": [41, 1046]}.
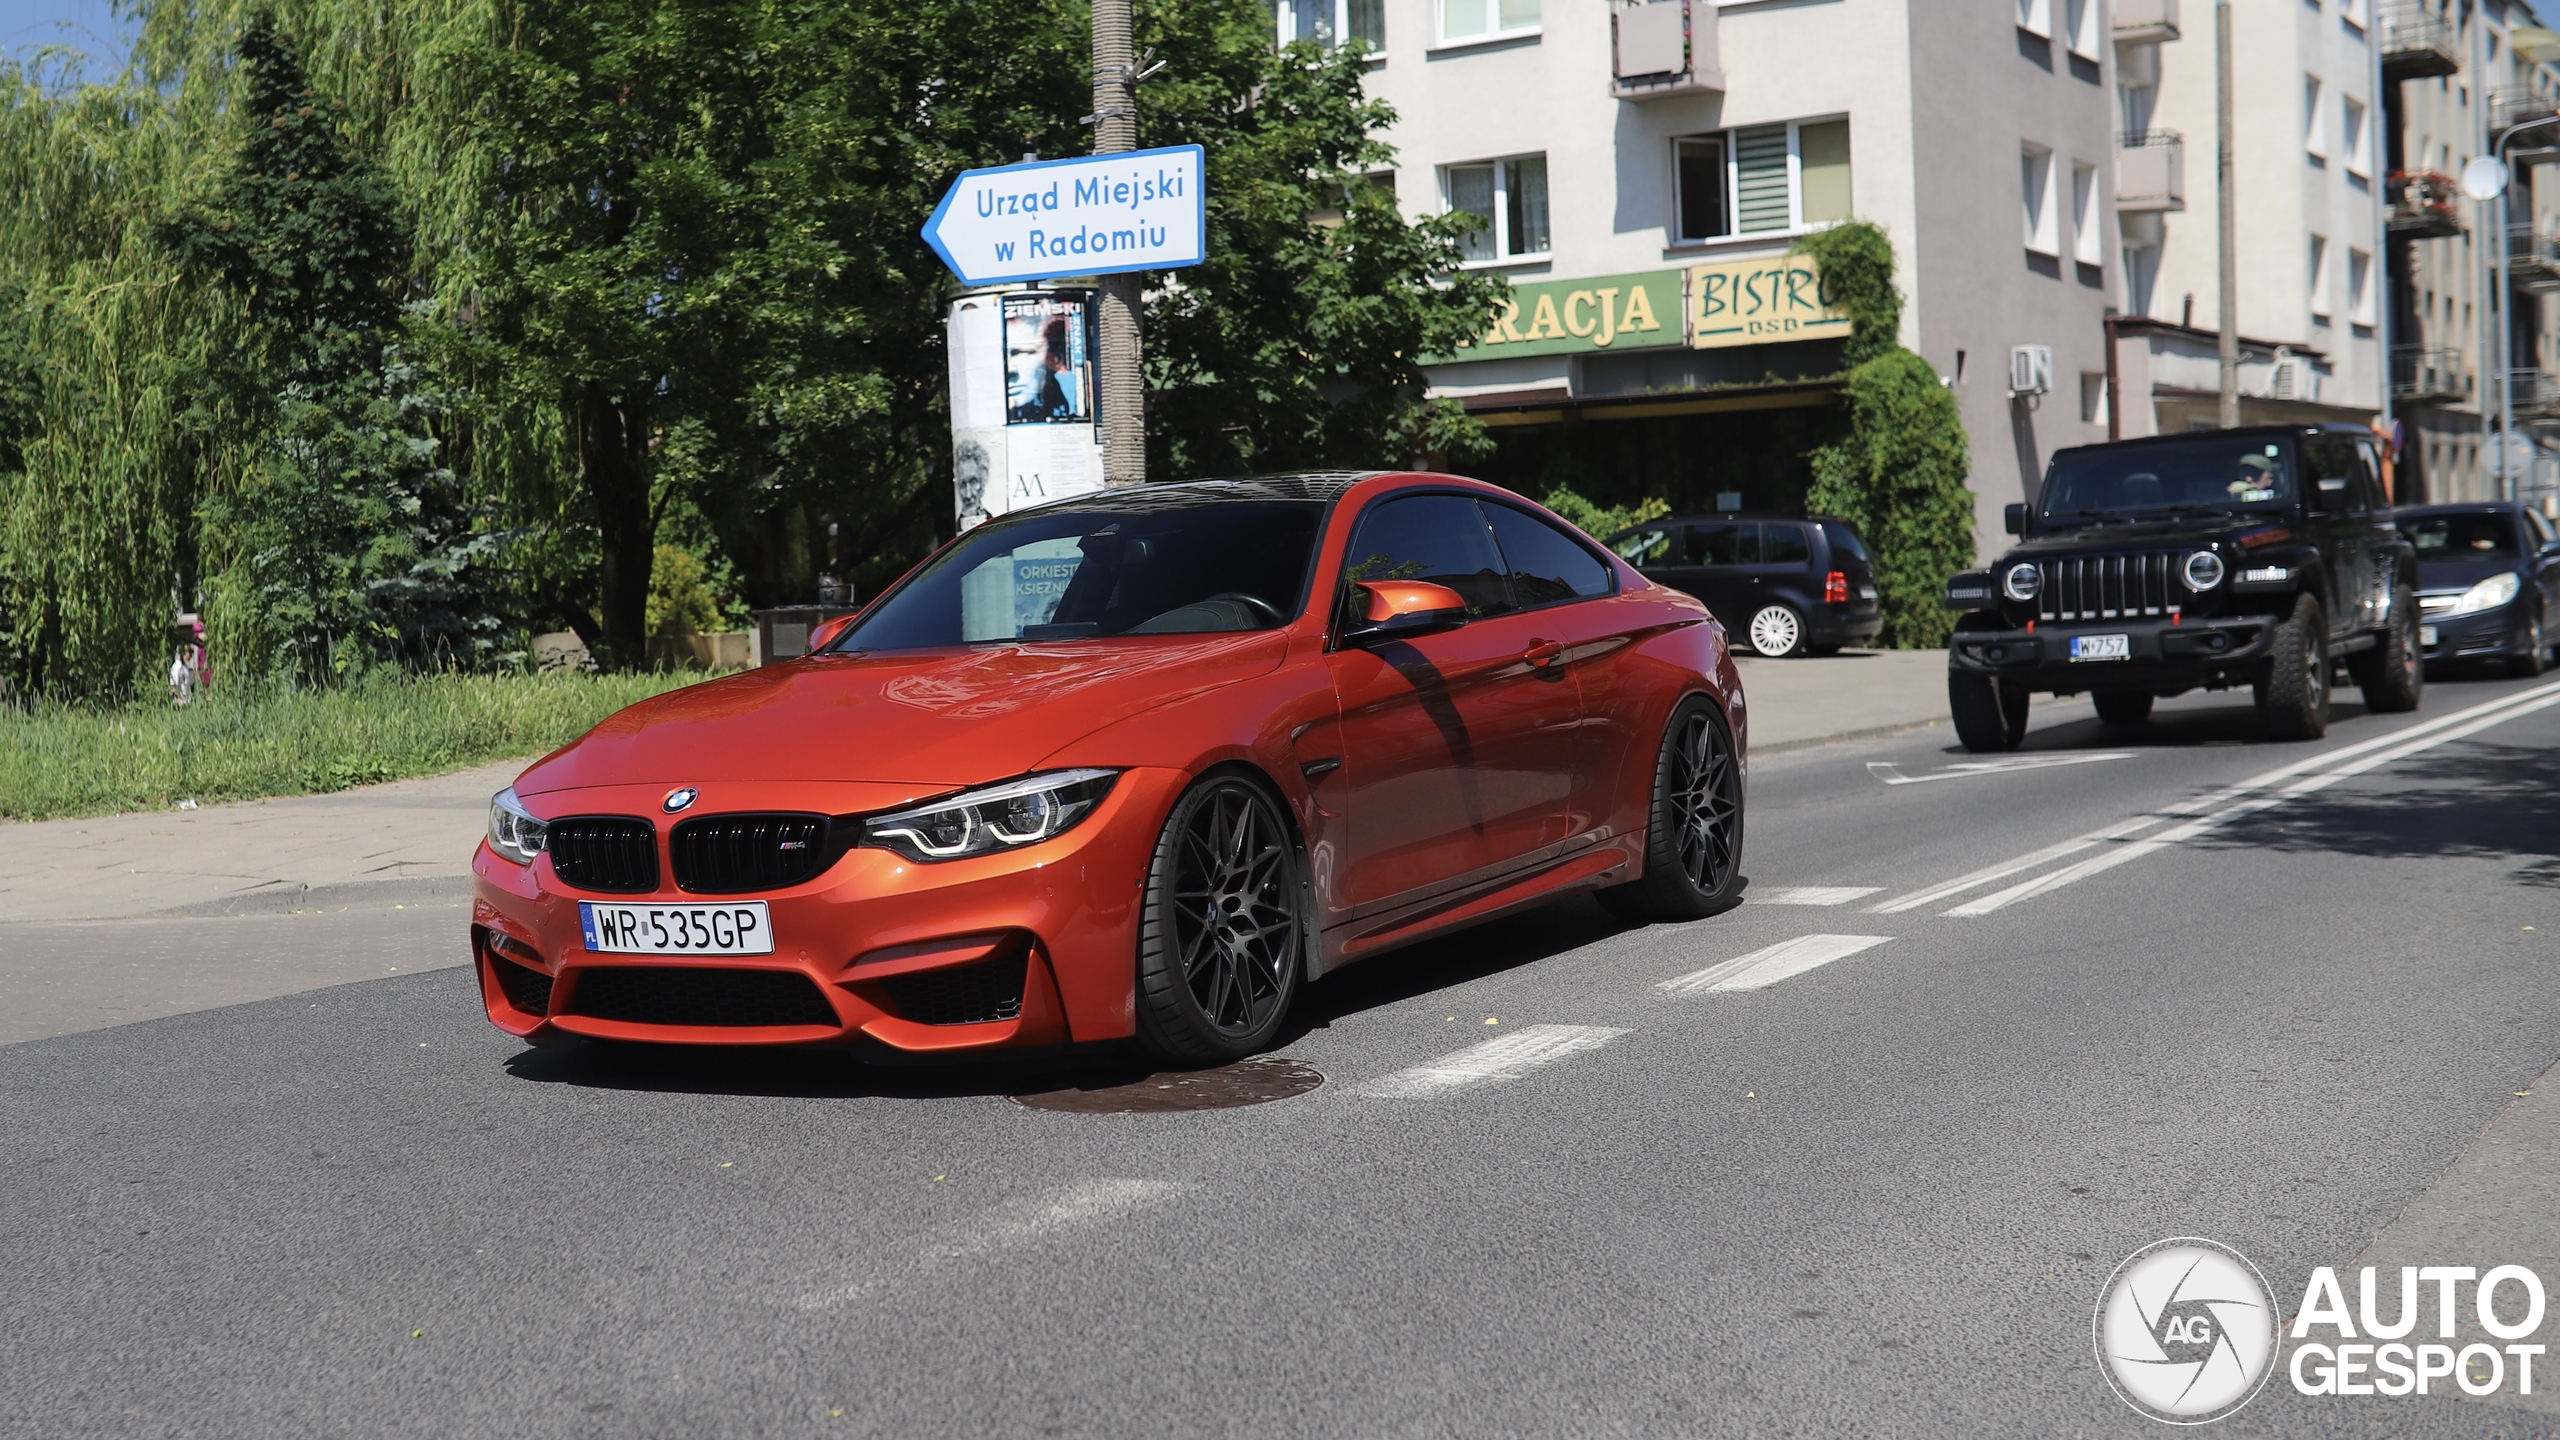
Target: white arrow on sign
{"type": "Point", "coordinates": [1093, 215]}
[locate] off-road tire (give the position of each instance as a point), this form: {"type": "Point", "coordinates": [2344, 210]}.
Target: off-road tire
{"type": "Point", "coordinates": [2531, 662]}
{"type": "Point", "coordinates": [1990, 715]}
{"type": "Point", "coordinates": [2122, 707]}
{"type": "Point", "coordinates": [1693, 838]}
{"type": "Point", "coordinates": [1221, 944]}
{"type": "Point", "coordinates": [2293, 700]}
{"type": "Point", "coordinates": [2393, 674]}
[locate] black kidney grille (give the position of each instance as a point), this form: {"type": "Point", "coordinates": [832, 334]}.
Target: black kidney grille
{"type": "Point", "coordinates": [527, 990]}
{"type": "Point", "coordinates": [616, 854]}
{"type": "Point", "coordinates": [962, 995]}
{"type": "Point", "coordinates": [725, 854]}
{"type": "Point", "coordinates": [699, 995]}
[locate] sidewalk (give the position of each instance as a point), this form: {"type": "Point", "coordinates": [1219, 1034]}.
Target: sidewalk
{"type": "Point", "coordinates": [1848, 696]}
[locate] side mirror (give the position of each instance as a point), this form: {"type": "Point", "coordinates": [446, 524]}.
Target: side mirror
{"type": "Point", "coordinates": [2013, 518]}
{"type": "Point", "coordinates": [826, 633]}
{"type": "Point", "coordinates": [1401, 609]}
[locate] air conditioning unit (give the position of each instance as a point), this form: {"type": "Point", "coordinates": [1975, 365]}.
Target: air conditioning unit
{"type": "Point", "coordinates": [2294, 378]}
{"type": "Point", "coordinates": [2030, 369]}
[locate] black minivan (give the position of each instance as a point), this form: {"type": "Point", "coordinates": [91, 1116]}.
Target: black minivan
{"type": "Point", "coordinates": [1783, 584]}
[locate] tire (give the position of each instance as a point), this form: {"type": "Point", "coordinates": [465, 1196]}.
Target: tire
{"type": "Point", "coordinates": [1775, 632]}
{"type": "Point", "coordinates": [2392, 674]}
{"type": "Point", "coordinates": [1221, 945]}
{"type": "Point", "coordinates": [1990, 716]}
{"type": "Point", "coordinates": [2293, 701]}
{"type": "Point", "coordinates": [2122, 707]}
{"type": "Point", "coordinates": [2530, 663]}
{"type": "Point", "coordinates": [1693, 839]}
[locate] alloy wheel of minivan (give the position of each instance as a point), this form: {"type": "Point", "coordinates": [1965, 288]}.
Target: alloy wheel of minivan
{"type": "Point", "coordinates": [1777, 631]}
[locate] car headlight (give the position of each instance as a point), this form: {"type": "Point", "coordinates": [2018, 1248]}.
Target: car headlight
{"type": "Point", "coordinates": [996, 818]}
{"type": "Point", "coordinates": [514, 833]}
{"type": "Point", "coordinates": [2203, 571]}
{"type": "Point", "coordinates": [2489, 594]}
{"type": "Point", "coordinates": [2022, 582]}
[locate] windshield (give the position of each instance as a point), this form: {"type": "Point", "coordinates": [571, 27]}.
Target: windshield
{"type": "Point", "coordinates": [1187, 567]}
{"type": "Point", "coordinates": [2440, 538]}
{"type": "Point", "coordinates": [2217, 473]}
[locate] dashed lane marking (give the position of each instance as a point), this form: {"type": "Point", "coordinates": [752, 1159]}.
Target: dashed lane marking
{"type": "Point", "coordinates": [1975, 769]}
{"type": "Point", "coordinates": [1505, 1057]}
{"type": "Point", "coordinates": [1813, 894]}
{"type": "Point", "coordinates": [1769, 966]}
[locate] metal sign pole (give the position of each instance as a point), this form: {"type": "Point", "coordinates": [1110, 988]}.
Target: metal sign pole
{"type": "Point", "coordinates": [1115, 129]}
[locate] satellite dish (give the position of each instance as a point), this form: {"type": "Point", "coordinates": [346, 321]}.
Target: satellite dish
{"type": "Point", "coordinates": [2485, 178]}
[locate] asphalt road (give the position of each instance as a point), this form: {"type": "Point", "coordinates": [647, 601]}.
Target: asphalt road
{"type": "Point", "coordinates": [1864, 1186]}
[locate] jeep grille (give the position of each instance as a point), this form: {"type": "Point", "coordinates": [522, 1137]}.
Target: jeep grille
{"type": "Point", "coordinates": [2109, 587]}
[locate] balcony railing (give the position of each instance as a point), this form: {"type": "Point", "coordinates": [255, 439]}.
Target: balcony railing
{"type": "Point", "coordinates": [2146, 22]}
{"type": "Point", "coordinates": [2417, 43]}
{"type": "Point", "coordinates": [2151, 171]}
{"type": "Point", "coordinates": [2520, 107]}
{"type": "Point", "coordinates": [1662, 48]}
{"type": "Point", "coordinates": [2424, 205]}
{"type": "Point", "coordinates": [2533, 258]}
{"type": "Point", "coordinates": [2534, 393]}
{"type": "Point", "coordinates": [2427, 372]}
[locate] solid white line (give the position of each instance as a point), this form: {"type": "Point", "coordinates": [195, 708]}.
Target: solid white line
{"type": "Point", "coordinates": [2007, 868]}
{"type": "Point", "coordinates": [1813, 894]}
{"type": "Point", "coordinates": [1505, 1057]}
{"type": "Point", "coordinates": [1770, 965]}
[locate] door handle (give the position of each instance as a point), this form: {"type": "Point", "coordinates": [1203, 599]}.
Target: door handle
{"type": "Point", "coordinates": [1543, 653]}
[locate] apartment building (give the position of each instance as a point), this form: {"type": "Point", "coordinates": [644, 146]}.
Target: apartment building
{"type": "Point", "coordinates": [2309, 174]}
{"type": "Point", "coordinates": [1647, 162]}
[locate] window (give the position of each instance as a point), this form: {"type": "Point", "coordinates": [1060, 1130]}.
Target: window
{"type": "Point", "coordinates": [1784, 545]}
{"type": "Point", "coordinates": [2036, 17]}
{"type": "Point", "coordinates": [1462, 21]}
{"type": "Point", "coordinates": [2093, 397]}
{"type": "Point", "coordinates": [1727, 544]}
{"type": "Point", "coordinates": [1767, 179]}
{"type": "Point", "coordinates": [2080, 27]}
{"type": "Point", "coordinates": [2315, 130]}
{"type": "Point", "coordinates": [2141, 278]}
{"type": "Point", "coordinates": [2320, 278]}
{"type": "Point", "coordinates": [1328, 21]}
{"type": "Point", "coordinates": [2356, 137]}
{"type": "Point", "coordinates": [2035, 190]}
{"type": "Point", "coordinates": [1510, 193]}
{"type": "Point", "coordinates": [1547, 567]}
{"type": "Point", "coordinates": [2360, 302]}
{"type": "Point", "coordinates": [2352, 11]}
{"type": "Point", "coordinates": [2088, 243]}
{"type": "Point", "coordinates": [1439, 538]}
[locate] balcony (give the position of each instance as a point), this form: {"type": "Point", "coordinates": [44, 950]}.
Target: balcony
{"type": "Point", "coordinates": [1663, 48]}
{"type": "Point", "coordinates": [2534, 394]}
{"type": "Point", "coordinates": [2533, 258]}
{"type": "Point", "coordinates": [2424, 205]}
{"type": "Point", "coordinates": [2416, 44]}
{"type": "Point", "coordinates": [2146, 22]}
{"type": "Point", "coordinates": [2510, 108]}
{"type": "Point", "coordinates": [2421, 373]}
{"type": "Point", "coordinates": [2151, 170]}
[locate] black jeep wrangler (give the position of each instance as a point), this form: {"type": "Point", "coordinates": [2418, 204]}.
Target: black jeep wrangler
{"type": "Point", "coordinates": [2258, 557]}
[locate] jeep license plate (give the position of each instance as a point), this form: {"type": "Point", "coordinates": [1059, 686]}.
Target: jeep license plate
{"type": "Point", "coordinates": [2101, 647]}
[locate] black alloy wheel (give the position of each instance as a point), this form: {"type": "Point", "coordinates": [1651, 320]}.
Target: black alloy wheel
{"type": "Point", "coordinates": [2392, 674]}
{"type": "Point", "coordinates": [1221, 946]}
{"type": "Point", "coordinates": [1693, 845]}
{"type": "Point", "coordinates": [2293, 701]}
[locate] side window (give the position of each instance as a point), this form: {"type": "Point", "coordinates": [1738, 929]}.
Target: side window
{"type": "Point", "coordinates": [2369, 479]}
{"type": "Point", "coordinates": [2331, 461]}
{"type": "Point", "coordinates": [1730, 543]}
{"type": "Point", "coordinates": [1647, 547]}
{"type": "Point", "coordinates": [1546, 566]}
{"type": "Point", "coordinates": [1784, 545]}
{"type": "Point", "coordinates": [1439, 538]}
{"type": "Point", "coordinates": [1844, 541]}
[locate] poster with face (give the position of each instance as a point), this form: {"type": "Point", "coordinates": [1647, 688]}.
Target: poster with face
{"type": "Point", "coordinates": [1048, 358]}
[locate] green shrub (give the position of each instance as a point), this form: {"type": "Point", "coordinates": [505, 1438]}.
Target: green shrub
{"type": "Point", "coordinates": [1599, 521]}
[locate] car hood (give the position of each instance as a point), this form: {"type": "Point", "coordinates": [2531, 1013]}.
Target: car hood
{"type": "Point", "coordinates": [2462, 574]}
{"type": "Point", "coordinates": [939, 719]}
{"type": "Point", "coordinates": [2146, 534]}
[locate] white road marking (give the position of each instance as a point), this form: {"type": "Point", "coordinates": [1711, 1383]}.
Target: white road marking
{"type": "Point", "coordinates": [1009, 1228]}
{"type": "Point", "coordinates": [1971, 769]}
{"type": "Point", "coordinates": [1505, 1057]}
{"type": "Point", "coordinates": [2006, 868]}
{"type": "Point", "coordinates": [1813, 894]}
{"type": "Point", "coordinates": [2370, 755]}
{"type": "Point", "coordinates": [1775, 963]}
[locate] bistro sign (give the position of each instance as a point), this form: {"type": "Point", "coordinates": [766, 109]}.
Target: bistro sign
{"type": "Point", "coordinates": [1755, 302]}
{"type": "Point", "coordinates": [1705, 307]}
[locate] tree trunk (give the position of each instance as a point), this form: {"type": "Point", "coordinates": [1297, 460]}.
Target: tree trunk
{"type": "Point", "coordinates": [612, 440]}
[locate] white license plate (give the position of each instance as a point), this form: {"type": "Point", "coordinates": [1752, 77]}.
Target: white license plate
{"type": "Point", "coordinates": [2101, 647]}
{"type": "Point", "coordinates": [739, 929]}
{"type": "Point", "coordinates": [2426, 635]}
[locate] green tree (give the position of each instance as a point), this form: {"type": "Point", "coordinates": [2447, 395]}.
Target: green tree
{"type": "Point", "coordinates": [1899, 473]}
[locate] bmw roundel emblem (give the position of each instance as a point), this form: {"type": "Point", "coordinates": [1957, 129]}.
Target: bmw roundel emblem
{"type": "Point", "coordinates": [678, 799]}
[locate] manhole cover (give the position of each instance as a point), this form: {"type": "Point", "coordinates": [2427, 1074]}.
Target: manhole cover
{"type": "Point", "coordinates": [1247, 1082]}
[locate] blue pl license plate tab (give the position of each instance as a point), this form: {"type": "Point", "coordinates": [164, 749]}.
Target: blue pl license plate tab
{"type": "Point", "coordinates": [2101, 647]}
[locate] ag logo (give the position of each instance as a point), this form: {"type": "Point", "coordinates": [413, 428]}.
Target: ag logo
{"type": "Point", "coordinates": [2185, 1331]}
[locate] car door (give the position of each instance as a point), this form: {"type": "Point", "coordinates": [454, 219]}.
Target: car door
{"type": "Point", "coordinates": [1460, 745]}
{"type": "Point", "coordinates": [1558, 577]}
{"type": "Point", "coordinates": [1785, 572]}
{"type": "Point", "coordinates": [1726, 554]}
{"type": "Point", "coordinates": [2329, 502]}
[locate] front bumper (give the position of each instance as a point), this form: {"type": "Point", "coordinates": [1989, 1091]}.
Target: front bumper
{"type": "Point", "coordinates": [912, 956]}
{"type": "Point", "coordinates": [2482, 634]}
{"type": "Point", "coordinates": [2163, 655]}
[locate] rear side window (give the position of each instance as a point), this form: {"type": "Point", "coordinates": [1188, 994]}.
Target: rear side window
{"type": "Point", "coordinates": [1439, 538]}
{"type": "Point", "coordinates": [1844, 539]}
{"type": "Point", "coordinates": [1733, 543]}
{"type": "Point", "coordinates": [1650, 545]}
{"type": "Point", "coordinates": [1547, 566]}
{"type": "Point", "coordinates": [1783, 545]}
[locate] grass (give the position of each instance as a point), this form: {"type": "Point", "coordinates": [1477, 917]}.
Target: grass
{"type": "Point", "coordinates": [63, 761]}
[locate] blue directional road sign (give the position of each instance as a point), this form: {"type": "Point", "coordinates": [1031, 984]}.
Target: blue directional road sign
{"type": "Point", "coordinates": [1093, 215]}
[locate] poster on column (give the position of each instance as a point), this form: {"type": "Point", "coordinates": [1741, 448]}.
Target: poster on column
{"type": "Point", "coordinates": [1023, 400]}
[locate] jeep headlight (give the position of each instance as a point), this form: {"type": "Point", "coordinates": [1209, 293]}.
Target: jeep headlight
{"type": "Point", "coordinates": [514, 833]}
{"type": "Point", "coordinates": [2203, 571]}
{"type": "Point", "coordinates": [2489, 594]}
{"type": "Point", "coordinates": [2022, 582]}
{"type": "Point", "coordinates": [992, 819]}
